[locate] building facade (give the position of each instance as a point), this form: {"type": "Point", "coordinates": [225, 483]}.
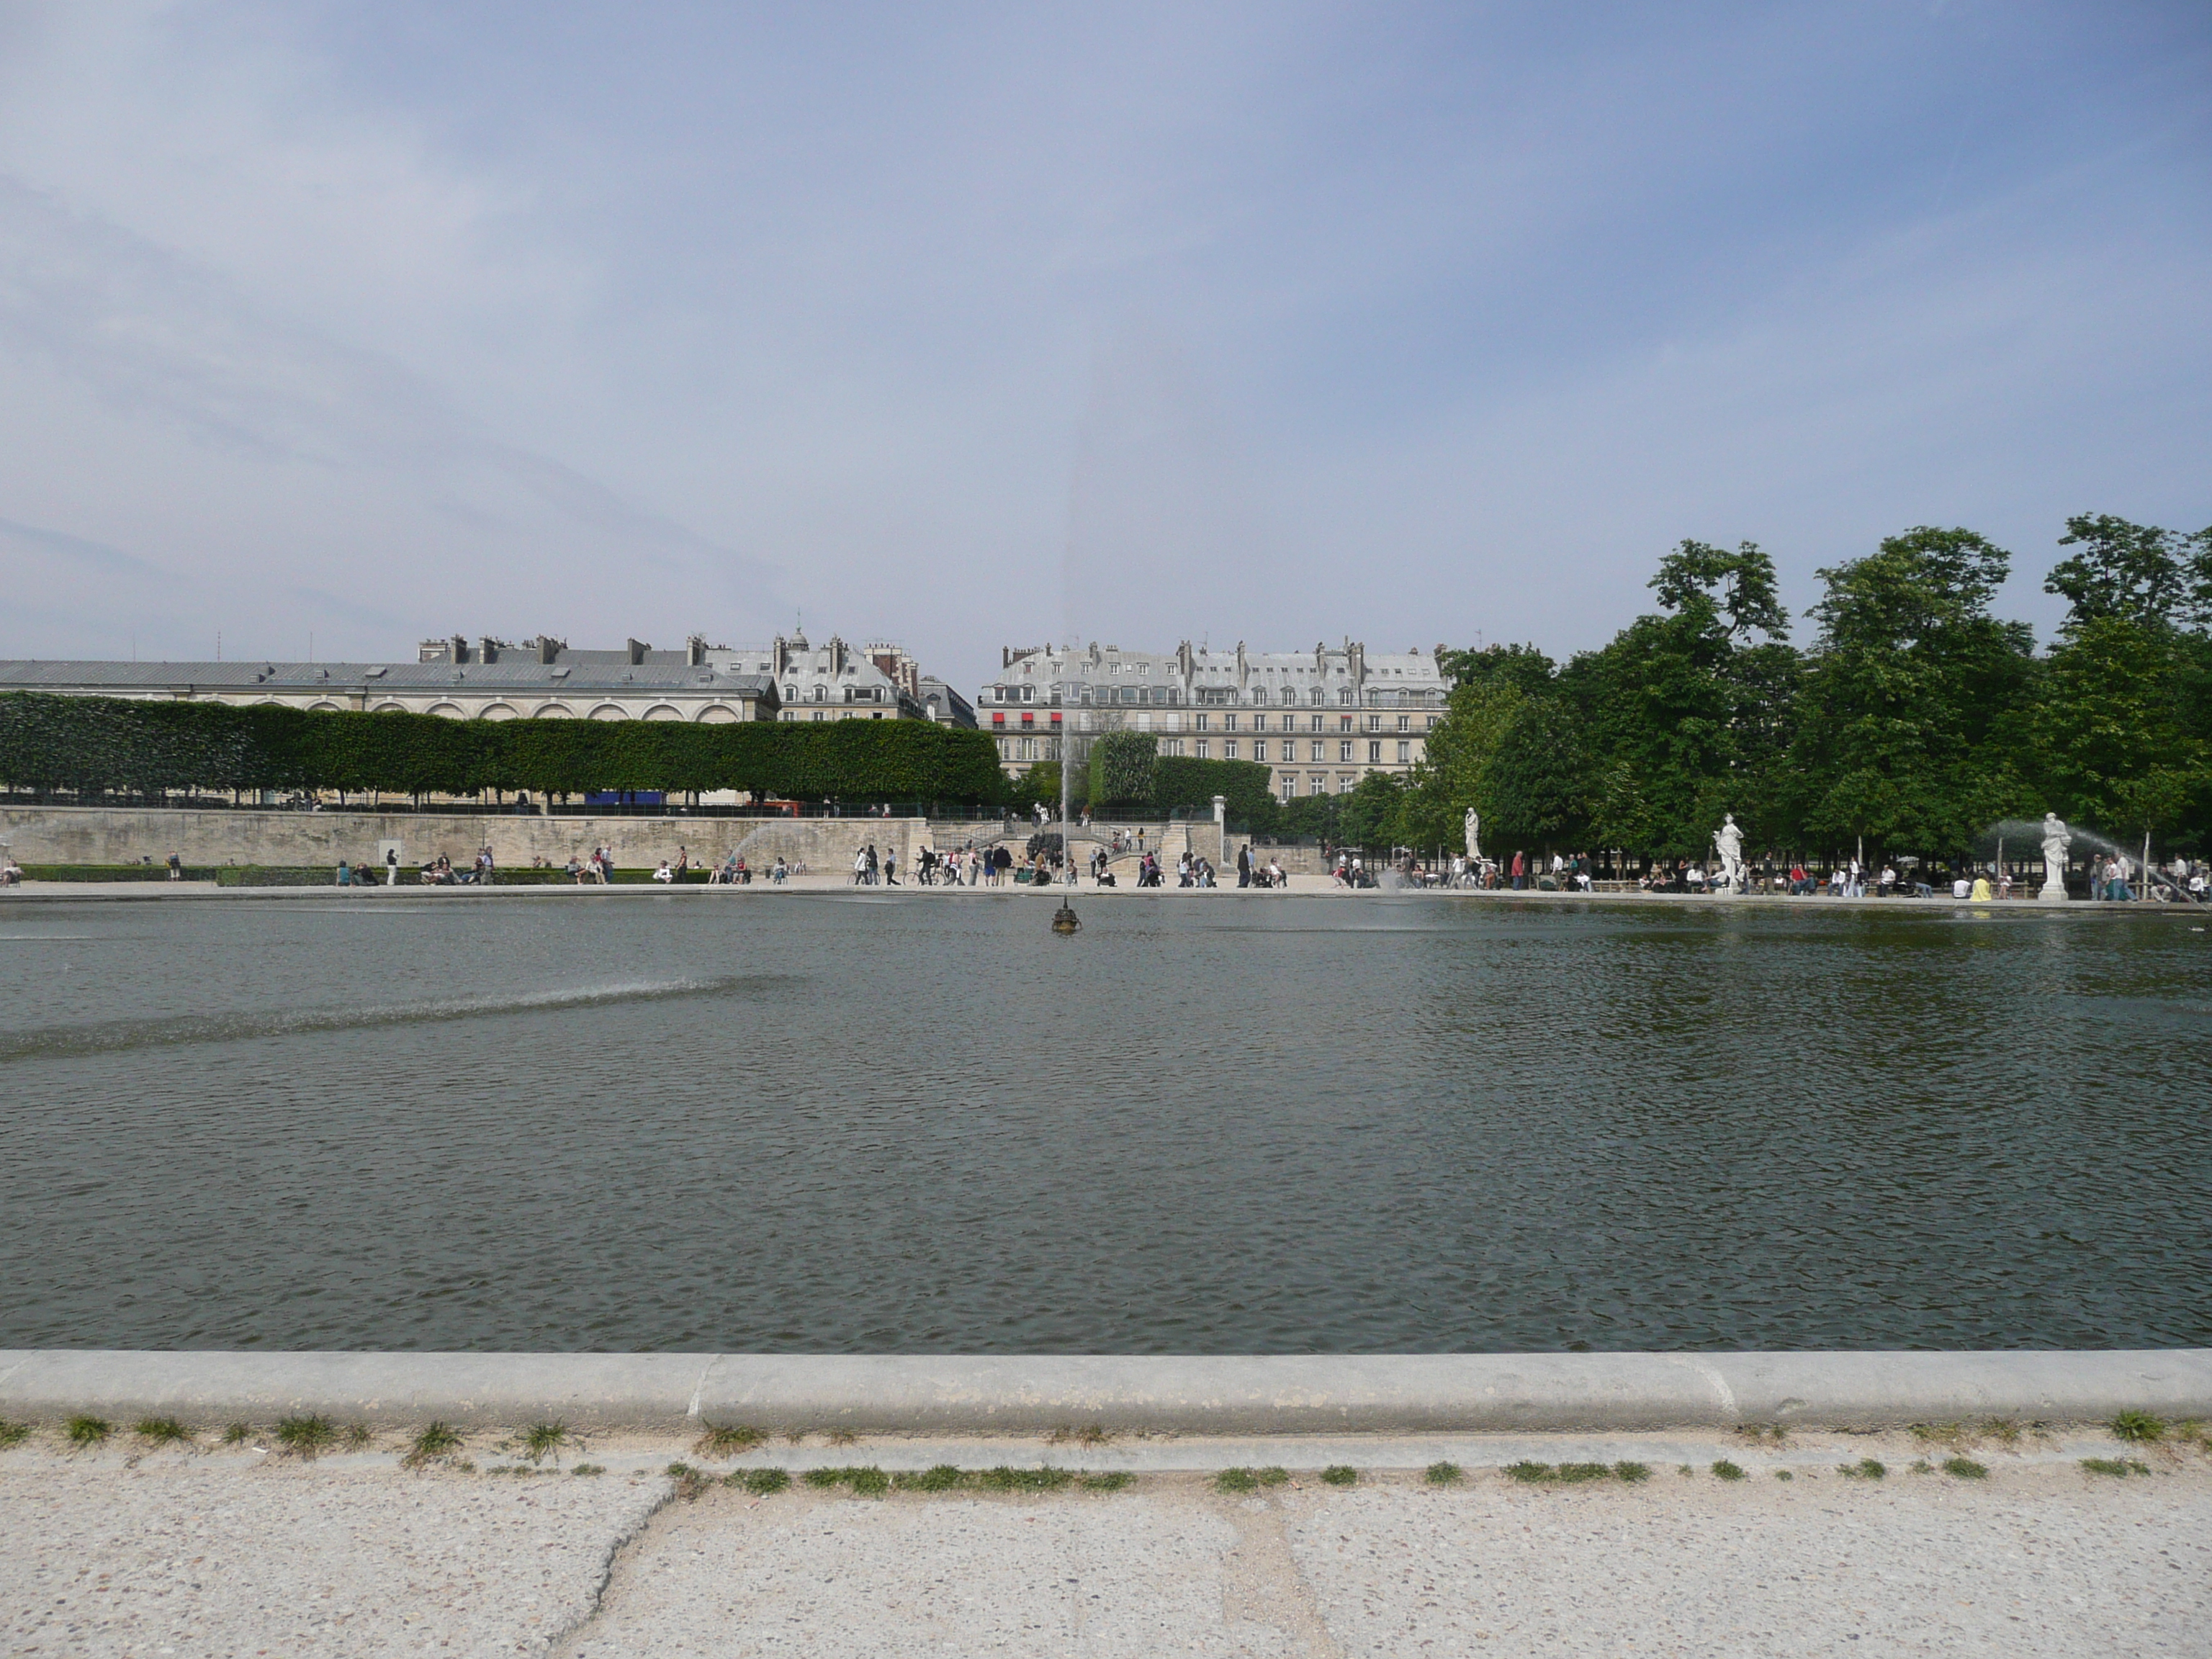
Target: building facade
{"type": "Point", "coordinates": [542, 678]}
{"type": "Point", "coordinates": [1320, 721]}
{"type": "Point", "coordinates": [458, 677]}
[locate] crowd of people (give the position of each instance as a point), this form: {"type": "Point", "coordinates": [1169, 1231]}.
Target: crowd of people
{"type": "Point", "coordinates": [2110, 877]}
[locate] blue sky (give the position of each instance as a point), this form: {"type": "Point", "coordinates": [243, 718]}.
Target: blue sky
{"type": "Point", "coordinates": [975, 325]}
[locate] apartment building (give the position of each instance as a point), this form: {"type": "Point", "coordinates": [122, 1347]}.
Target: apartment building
{"type": "Point", "coordinates": [1320, 721]}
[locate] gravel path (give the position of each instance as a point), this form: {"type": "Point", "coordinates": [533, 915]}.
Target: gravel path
{"type": "Point", "coordinates": [226, 1552]}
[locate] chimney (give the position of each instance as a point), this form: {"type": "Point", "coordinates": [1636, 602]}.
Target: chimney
{"type": "Point", "coordinates": [460, 644]}
{"type": "Point", "coordinates": [637, 650]}
{"type": "Point", "coordinates": [549, 649]}
{"type": "Point", "coordinates": [694, 651]}
{"type": "Point", "coordinates": [487, 649]}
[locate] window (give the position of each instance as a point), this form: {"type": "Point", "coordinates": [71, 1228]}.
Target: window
{"type": "Point", "coordinates": [1405, 722]}
{"type": "Point", "coordinates": [1432, 722]}
{"type": "Point", "coordinates": [1404, 752]}
{"type": "Point", "coordinates": [1201, 719]}
{"type": "Point", "coordinates": [1028, 694]}
{"type": "Point", "coordinates": [1228, 722]}
{"type": "Point", "coordinates": [1320, 752]}
{"type": "Point", "coordinates": [1229, 750]}
{"type": "Point", "coordinates": [1028, 749]}
{"type": "Point", "coordinates": [1259, 750]}
{"type": "Point", "coordinates": [1374, 753]}
{"type": "Point", "coordinates": [791, 693]}
{"type": "Point", "coordinates": [821, 695]}
{"type": "Point", "coordinates": [1290, 786]}
{"type": "Point", "coordinates": [1204, 748]}
{"type": "Point", "coordinates": [1344, 752]}
{"type": "Point", "coordinates": [1344, 722]}
{"type": "Point", "coordinates": [1144, 668]}
{"type": "Point", "coordinates": [1317, 696]}
{"type": "Point", "coordinates": [1171, 747]}
{"type": "Point", "coordinates": [1314, 721]}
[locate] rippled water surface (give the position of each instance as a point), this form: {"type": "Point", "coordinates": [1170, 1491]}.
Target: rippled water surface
{"type": "Point", "coordinates": [741, 1121]}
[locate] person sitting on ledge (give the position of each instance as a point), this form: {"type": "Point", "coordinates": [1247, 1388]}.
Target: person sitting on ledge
{"type": "Point", "coordinates": [664, 873]}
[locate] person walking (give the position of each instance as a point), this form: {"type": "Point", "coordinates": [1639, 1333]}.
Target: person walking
{"type": "Point", "coordinates": [1244, 867]}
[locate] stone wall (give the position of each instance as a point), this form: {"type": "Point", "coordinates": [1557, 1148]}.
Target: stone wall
{"type": "Point", "coordinates": [75, 835]}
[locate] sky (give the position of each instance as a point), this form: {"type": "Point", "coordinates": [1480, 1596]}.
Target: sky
{"type": "Point", "coordinates": [324, 328]}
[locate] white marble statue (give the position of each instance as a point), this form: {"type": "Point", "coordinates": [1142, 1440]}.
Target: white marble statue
{"type": "Point", "coordinates": [1473, 829]}
{"type": "Point", "coordinates": [1728, 842]}
{"type": "Point", "coordinates": [2056, 838]}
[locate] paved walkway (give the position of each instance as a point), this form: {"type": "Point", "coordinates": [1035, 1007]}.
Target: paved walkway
{"type": "Point", "coordinates": [244, 1550]}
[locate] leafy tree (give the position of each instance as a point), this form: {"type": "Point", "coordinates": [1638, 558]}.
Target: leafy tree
{"type": "Point", "coordinates": [2132, 572]}
{"type": "Point", "coordinates": [1492, 684]}
{"type": "Point", "coordinates": [1909, 720]}
{"type": "Point", "coordinates": [1539, 781]}
{"type": "Point", "coordinates": [1369, 815]}
{"type": "Point", "coordinates": [2121, 727]}
{"type": "Point", "coordinates": [1683, 715]}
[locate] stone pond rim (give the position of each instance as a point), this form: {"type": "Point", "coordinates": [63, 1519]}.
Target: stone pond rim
{"type": "Point", "coordinates": [1295, 1394]}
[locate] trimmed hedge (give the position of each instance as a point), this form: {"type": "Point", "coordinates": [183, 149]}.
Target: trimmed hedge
{"type": "Point", "coordinates": [92, 745]}
{"type": "Point", "coordinates": [1180, 784]}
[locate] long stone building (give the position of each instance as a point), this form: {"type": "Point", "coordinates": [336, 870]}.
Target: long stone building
{"type": "Point", "coordinates": [542, 678]}
{"type": "Point", "coordinates": [1320, 721]}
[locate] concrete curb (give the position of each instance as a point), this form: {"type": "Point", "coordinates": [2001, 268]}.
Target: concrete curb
{"type": "Point", "coordinates": [1409, 1394]}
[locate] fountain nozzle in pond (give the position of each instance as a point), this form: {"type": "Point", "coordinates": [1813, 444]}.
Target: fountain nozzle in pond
{"type": "Point", "coordinates": [1064, 919]}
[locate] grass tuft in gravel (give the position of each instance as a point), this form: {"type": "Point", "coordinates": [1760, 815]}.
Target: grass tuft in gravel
{"type": "Point", "coordinates": [305, 1437]}
{"type": "Point", "coordinates": [863, 1482]}
{"type": "Point", "coordinates": [1236, 1480]}
{"type": "Point", "coordinates": [1560, 1474]}
{"type": "Point", "coordinates": [162, 1431]}
{"type": "Point", "coordinates": [541, 1440]}
{"type": "Point", "coordinates": [1443, 1474]}
{"type": "Point", "coordinates": [437, 1440]}
{"type": "Point", "coordinates": [2120, 1467]}
{"type": "Point", "coordinates": [1274, 1475]}
{"type": "Point", "coordinates": [1965, 1469]}
{"type": "Point", "coordinates": [13, 1434]}
{"type": "Point", "coordinates": [86, 1431]}
{"type": "Point", "coordinates": [1004, 1479]}
{"type": "Point", "coordinates": [761, 1483]}
{"type": "Point", "coordinates": [944, 1477]}
{"type": "Point", "coordinates": [728, 1440]}
{"type": "Point", "coordinates": [2139, 1427]}
{"type": "Point", "coordinates": [1759, 1432]}
{"type": "Point", "coordinates": [2002, 1429]}
{"type": "Point", "coordinates": [1865, 1469]}
{"type": "Point", "coordinates": [1724, 1470]}
{"type": "Point", "coordinates": [589, 1469]}
{"type": "Point", "coordinates": [359, 1436]}
{"type": "Point", "coordinates": [842, 1437]}
{"type": "Point", "coordinates": [1784, 1474]}
{"type": "Point", "coordinates": [1339, 1474]}
{"type": "Point", "coordinates": [238, 1434]}
{"type": "Point", "coordinates": [1111, 1480]}
{"type": "Point", "coordinates": [690, 1482]}
{"type": "Point", "coordinates": [1634, 1474]}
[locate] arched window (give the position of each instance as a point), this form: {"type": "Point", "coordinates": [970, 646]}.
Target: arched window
{"type": "Point", "coordinates": [821, 694]}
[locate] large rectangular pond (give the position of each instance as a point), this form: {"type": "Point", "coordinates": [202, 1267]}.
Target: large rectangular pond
{"type": "Point", "coordinates": [924, 1124]}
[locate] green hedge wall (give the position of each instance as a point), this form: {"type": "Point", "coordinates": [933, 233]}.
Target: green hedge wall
{"type": "Point", "coordinates": [1181, 784]}
{"type": "Point", "coordinates": [95, 744]}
